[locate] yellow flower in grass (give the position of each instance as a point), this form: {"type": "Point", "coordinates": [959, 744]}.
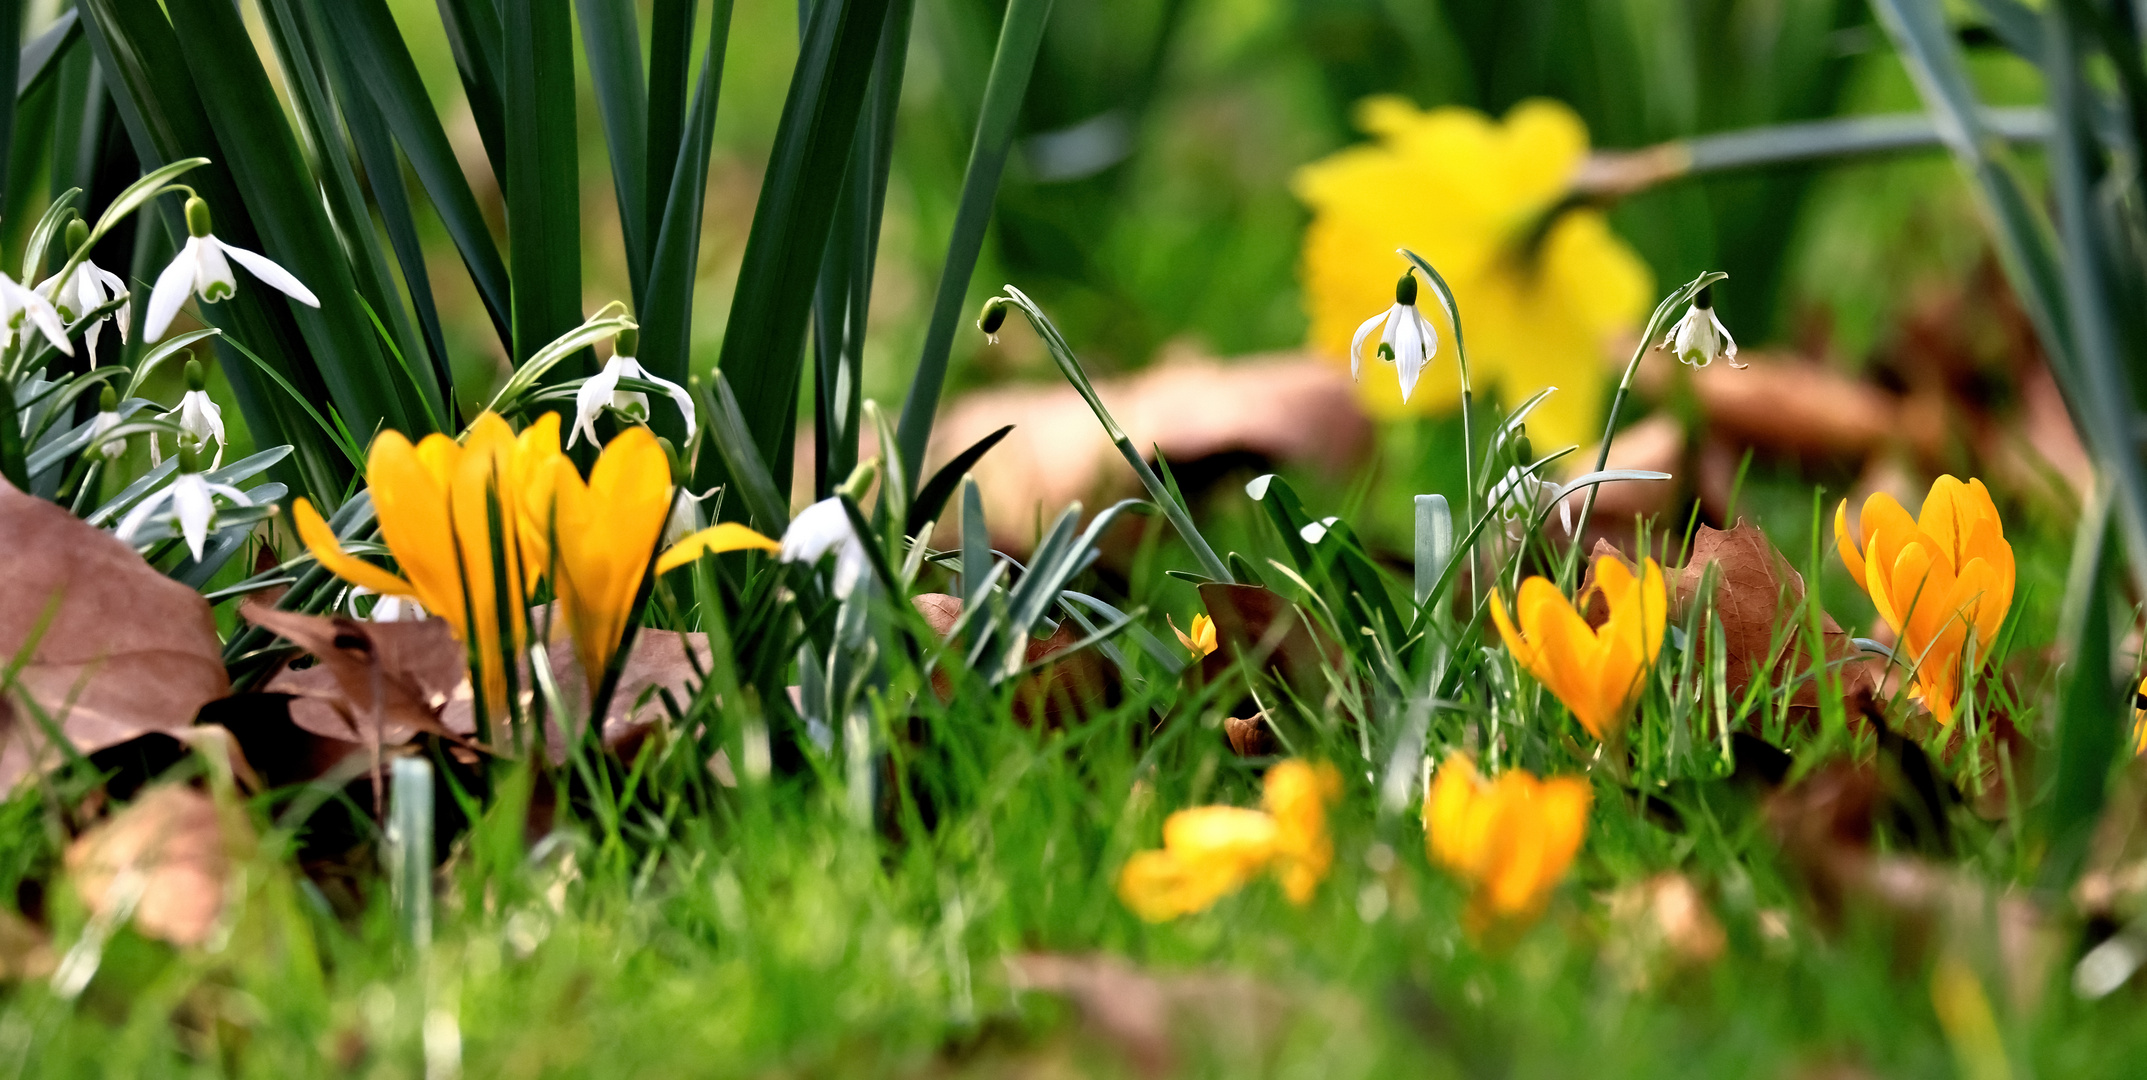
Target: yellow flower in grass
{"type": "Point", "coordinates": [1541, 293]}
{"type": "Point", "coordinates": [1199, 635]}
{"type": "Point", "coordinates": [595, 539]}
{"type": "Point", "coordinates": [1210, 852]}
{"type": "Point", "coordinates": [1596, 671]}
{"type": "Point", "coordinates": [1512, 838]}
{"type": "Point", "coordinates": [1942, 580]}
{"type": "Point", "coordinates": [438, 503]}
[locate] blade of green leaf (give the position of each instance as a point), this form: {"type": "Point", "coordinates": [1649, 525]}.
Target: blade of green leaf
{"type": "Point", "coordinates": [10, 67]}
{"type": "Point", "coordinates": [611, 42]}
{"type": "Point", "coordinates": [670, 58]}
{"type": "Point", "coordinates": [542, 183]}
{"type": "Point", "coordinates": [476, 35]}
{"type": "Point", "coordinates": [41, 55]}
{"type": "Point", "coordinates": [1020, 34]}
{"type": "Point", "coordinates": [934, 495]}
{"type": "Point", "coordinates": [666, 310]}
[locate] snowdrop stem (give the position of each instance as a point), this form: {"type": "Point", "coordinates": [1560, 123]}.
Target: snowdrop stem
{"type": "Point", "coordinates": [1656, 323]}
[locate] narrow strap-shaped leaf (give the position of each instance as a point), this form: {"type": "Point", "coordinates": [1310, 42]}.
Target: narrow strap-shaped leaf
{"type": "Point", "coordinates": [741, 459]}
{"type": "Point", "coordinates": [40, 55]}
{"type": "Point", "coordinates": [542, 184]}
{"type": "Point", "coordinates": [476, 36]}
{"type": "Point", "coordinates": [1020, 34]}
{"type": "Point", "coordinates": [285, 205]}
{"type": "Point", "coordinates": [670, 61]}
{"type": "Point", "coordinates": [292, 31]}
{"type": "Point", "coordinates": [611, 41]}
{"type": "Point", "coordinates": [933, 496]}
{"type": "Point", "coordinates": [368, 42]}
{"type": "Point", "coordinates": [790, 223]}
{"type": "Point", "coordinates": [10, 67]}
{"type": "Point", "coordinates": [666, 311]}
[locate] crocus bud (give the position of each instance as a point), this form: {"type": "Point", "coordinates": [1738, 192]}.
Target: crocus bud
{"type": "Point", "coordinates": [1405, 289]}
{"type": "Point", "coordinates": [195, 378]}
{"type": "Point", "coordinates": [77, 234]}
{"type": "Point", "coordinates": [197, 217]}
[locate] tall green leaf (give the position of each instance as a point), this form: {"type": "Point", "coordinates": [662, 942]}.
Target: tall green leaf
{"type": "Point", "coordinates": [10, 66]}
{"type": "Point", "coordinates": [763, 341]}
{"type": "Point", "coordinates": [670, 57]}
{"type": "Point", "coordinates": [666, 312]}
{"type": "Point", "coordinates": [477, 37]}
{"type": "Point", "coordinates": [542, 184]}
{"type": "Point", "coordinates": [612, 43]}
{"type": "Point", "coordinates": [1019, 35]}
{"type": "Point", "coordinates": [367, 41]}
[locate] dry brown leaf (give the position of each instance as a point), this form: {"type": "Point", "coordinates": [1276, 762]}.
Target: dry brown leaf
{"type": "Point", "coordinates": [25, 948]}
{"type": "Point", "coordinates": [170, 853]}
{"type": "Point", "coordinates": [1257, 625]}
{"type": "Point", "coordinates": [1271, 410]}
{"type": "Point", "coordinates": [1148, 1017]}
{"type": "Point", "coordinates": [127, 650]}
{"type": "Point", "coordinates": [1759, 599]}
{"type": "Point", "coordinates": [375, 681]}
{"type": "Point", "coordinates": [1249, 735]}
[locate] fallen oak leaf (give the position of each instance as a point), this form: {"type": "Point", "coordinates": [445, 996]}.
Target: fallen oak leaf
{"type": "Point", "coordinates": [126, 650]}
{"type": "Point", "coordinates": [383, 682]}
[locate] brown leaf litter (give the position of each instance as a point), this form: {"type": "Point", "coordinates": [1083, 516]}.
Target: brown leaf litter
{"type": "Point", "coordinates": [126, 650]}
{"type": "Point", "coordinates": [168, 855]}
{"type": "Point", "coordinates": [1152, 1018]}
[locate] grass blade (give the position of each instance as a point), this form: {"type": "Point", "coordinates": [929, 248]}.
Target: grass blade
{"type": "Point", "coordinates": [612, 43]}
{"type": "Point", "coordinates": [1019, 35]}
{"type": "Point", "coordinates": [477, 37]}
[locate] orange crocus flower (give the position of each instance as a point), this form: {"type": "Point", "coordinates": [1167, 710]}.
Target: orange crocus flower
{"type": "Point", "coordinates": [1210, 852]}
{"type": "Point", "coordinates": [1596, 671]}
{"type": "Point", "coordinates": [1935, 579]}
{"type": "Point", "coordinates": [1511, 838]}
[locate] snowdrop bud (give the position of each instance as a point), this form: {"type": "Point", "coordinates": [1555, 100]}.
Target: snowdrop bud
{"type": "Point", "coordinates": [77, 234]}
{"type": "Point", "coordinates": [1706, 300]}
{"type": "Point", "coordinates": [1523, 450]}
{"type": "Point", "coordinates": [992, 318]}
{"type": "Point", "coordinates": [197, 217]}
{"type": "Point", "coordinates": [196, 379]}
{"type": "Point", "coordinates": [628, 343]}
{"type": "Point", "coordinates": [108, 399]}
{"type": "Point", "coordinates": [1405, 289]}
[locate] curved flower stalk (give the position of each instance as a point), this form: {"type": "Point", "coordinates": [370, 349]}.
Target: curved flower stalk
{"type": "Point", "coordinates": [1512, 838]}
{"type": "Point", "coordinates": [595, 539]}
{"type": "Point", "coordinates": [439, 503]}
{"type": "Point", "coordinates": [1210, 852]}
{"type": "Point", "coordinates": [1943, 581]}
{"type": "Point", "coordinates": [1545, 281]}
{"type": "Point", "coordinates": [1596, 671]}
{"type": "Point", "coordinates": [203, 268]}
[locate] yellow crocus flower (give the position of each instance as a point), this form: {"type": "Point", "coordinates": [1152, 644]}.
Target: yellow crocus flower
{"type": "Point", "coordinates": [1210, 852]}
{"type": "Point", "coordinates": [1596, 671]}
{"type": "Point", "coordinates": [599, 536]}
{"type": "Point", "coordinates": [2139, 719]}
{"type": "Point", "coordinates": [437, 503]}
{"type": "Point", "coordinates": [714, 540]}
{"type": "Point", "coordinates": [1540, 294]}
{"type": "Point", "coordinates": [1934, 579]}
{"type": "Point", "coordinates": [1199, 635]}
{"type": "Point", "coordinates": [1512, 839]}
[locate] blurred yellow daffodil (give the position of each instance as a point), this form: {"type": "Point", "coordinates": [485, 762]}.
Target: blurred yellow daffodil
{"type": "Point", "coordinates": [1511, 839]}
{"type": "Point", "coordinates": [597, 537]}
{"type": "Point", "coordinates": [1596, 671]}
{"type": "Point", "coordinates": [1198, 636]}
{"type": "Point", "coordinates": [1542, 285]}
{"type": "Point", "coordinates": [1210, 852]}
{"type": "Point", "coordinates": [1934, 579]}
{"type": "Point", "coordinates": [437, 503]}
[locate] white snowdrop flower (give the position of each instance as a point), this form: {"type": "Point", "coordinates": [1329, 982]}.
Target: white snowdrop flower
{"type": "Point", "coordinates": [200, 419]}
{"type": "Point", "coordinates": [202, 269]}
{"type": "Point", "coordinates": [106, 419]}
{"type": "Point", "coordinates": [823, 527]}
{"type": "Point", "coordinates": [601, 391]}
{"type": "Point", "coordinates": [18, 303]}
{"type": "Point", "coordinates": [88, 288]}
{"type": "Point", "coordinates": [387, 608]}
{"type": "Point", "coordinates": [1408, 340]}
{"type": "Point", "coordinates": [1700, 338]}
{"type": "Point", "coordinates": [190, 502]}
{"type": "Point", "coordinates": [1517, 497]}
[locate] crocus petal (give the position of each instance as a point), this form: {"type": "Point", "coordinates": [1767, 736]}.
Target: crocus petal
{"type": "Point", "coordinates": [173, 286]}
{"type": "Point", "coordinates": [714, 540]}
{"type": "Point", "coordinates": [328, 551]}
{"type": "Point", "coordinates": [1851, 556]}
{"type": "Point", "coordinates": [271, 275]}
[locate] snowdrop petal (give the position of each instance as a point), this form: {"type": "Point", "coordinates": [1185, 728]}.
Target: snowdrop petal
{"type": "Point", "coordinates": [194, 506]}
{"type": "Point", "coordinates": [271, 275]}
{"type": "Point", "coordinates": [173, 286]}
{"type": "Point", "coordinates": [1356, 344]}
{"type": "Point", "coordinates": [594, 395]}
{"type": "Point", "coordinates": [40, 312]}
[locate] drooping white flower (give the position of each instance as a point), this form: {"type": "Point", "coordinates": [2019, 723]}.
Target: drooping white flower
{"type": "Point", "coordinates": [86, 289]}
{"type": "Point", "coordinates": [992, 318]}
{"type": "Point", "coordinates": [1700, 338]}
{"type": "Point", "coordinates": [823, 527]}
{"type": "Point", "coordinates": [1408, 341]}
{"type": "Point", "coordinates": [18, 303]}
{"type": "Point", "coordinates": [387, 608]}
{"type": "Point", "coordinates": [106, 419]}
{"type": "Point", "coordinates": [601, 391]}
{"type": "Point", "coordinates": [1517, 498]}
{"type": "Point", "coordinates": [189, 502]}
{"type": "Point", "coordinates": [200, 420]}
{"type": "Point", "coordinates": [202, 269]}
